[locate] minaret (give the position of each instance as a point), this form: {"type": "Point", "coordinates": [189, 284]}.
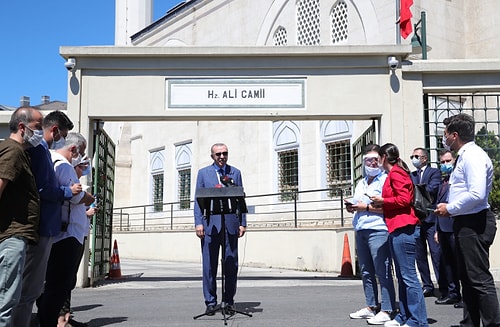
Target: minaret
{"type": "Point", "coordinates": [130, 17]}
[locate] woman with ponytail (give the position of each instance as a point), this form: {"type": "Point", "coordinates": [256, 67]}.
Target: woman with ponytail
{"type": "Point", "coordinates": [404, 230]}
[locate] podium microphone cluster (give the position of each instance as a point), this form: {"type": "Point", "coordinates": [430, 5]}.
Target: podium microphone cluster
{"type": "Point", "coordinates": [227, 181]}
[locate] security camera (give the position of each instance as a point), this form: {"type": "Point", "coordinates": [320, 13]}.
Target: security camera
{"type": "Point", "coordinates": [70, 64]}
{"type": "Point", "coordinates": [392, 62]}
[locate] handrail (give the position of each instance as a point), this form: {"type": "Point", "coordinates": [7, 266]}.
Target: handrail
{"type": "Point", "coordinates": [308, 208]}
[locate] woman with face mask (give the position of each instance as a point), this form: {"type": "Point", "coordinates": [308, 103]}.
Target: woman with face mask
{"type": "Point", "coordinates": [404, 230]}
{"type": "Point", "coordinates": [372, 243]}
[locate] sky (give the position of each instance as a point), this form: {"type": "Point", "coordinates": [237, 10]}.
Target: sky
{"type": "Point", "coordinates": [33, 31]}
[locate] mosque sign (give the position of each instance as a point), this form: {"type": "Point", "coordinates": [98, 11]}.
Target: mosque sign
{"type": "Point", "coordinates": [236, 93]}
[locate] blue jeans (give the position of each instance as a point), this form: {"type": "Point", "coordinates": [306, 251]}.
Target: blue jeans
{"type": "Point", "coordinates": [412, 309]}
{"type": "Point", "coordinates": [12, 253]}
{"type": "Point", "coordinates": [374, 257]}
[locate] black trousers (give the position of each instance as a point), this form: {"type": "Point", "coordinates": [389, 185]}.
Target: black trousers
{"type": "Point", "coordinates": [60, 279]}
{"type": "Point", "coordinates": [474, 234]}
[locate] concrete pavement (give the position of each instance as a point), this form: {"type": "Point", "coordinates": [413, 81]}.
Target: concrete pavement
{"type": "Point", "coordinates": [155, 293]}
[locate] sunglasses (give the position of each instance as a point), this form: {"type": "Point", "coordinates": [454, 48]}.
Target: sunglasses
{"type": "Point", "coordinates": [218, 154]}
{"type": "Point", "coordinates": [416, 156]}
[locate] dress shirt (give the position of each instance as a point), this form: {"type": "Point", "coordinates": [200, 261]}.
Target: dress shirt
{"type": "Point", "coordinates": [470, 181]}
{"type": "Point", "coordinates": [72, 211]}
{"type": "Point", "coordinates": [366, 219]}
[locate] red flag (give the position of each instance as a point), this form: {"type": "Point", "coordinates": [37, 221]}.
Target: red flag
{"type": "Point", "coordinates": [405, 18]}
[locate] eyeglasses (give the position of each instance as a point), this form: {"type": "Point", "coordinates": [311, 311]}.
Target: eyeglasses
{"type": "Point", "coordinates": [416, 156]}
{"type": "Point", "coordinates": [370, 160]}
{"type": "Point", "coordinates": [218, 154]}
{"type": "Point", "coordinates": [446, 161]}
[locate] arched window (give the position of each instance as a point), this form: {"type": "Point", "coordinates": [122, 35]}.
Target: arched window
{"type": "Point", "coordinates": [157, 164]}
{"type": "Point", "coordinates": [308, 22]}
{"type": "Point", "coordinates": [338, 21]}
{"type": "Point", "coordinates": [286, 136]}
{"type": "Point", "coordinates": [183, 155]}
{"type": "Point", "coordinates": [280, 36]}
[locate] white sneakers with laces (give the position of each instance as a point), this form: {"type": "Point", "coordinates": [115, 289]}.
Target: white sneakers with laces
{"type": "Point", "coordinates": [394, 323]}
{"type": "Point", "coordinates": [380, 318]}
{"type": "Point", "coordinates": [363, 313]}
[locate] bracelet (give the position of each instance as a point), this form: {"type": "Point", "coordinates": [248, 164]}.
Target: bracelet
{"type": "Point", "coordinates": [367, 207]}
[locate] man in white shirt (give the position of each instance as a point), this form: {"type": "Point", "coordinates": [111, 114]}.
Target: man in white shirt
{"type": "Point", "coordinates": [474, 224]}
{"type": "Point", "coordinates": [66, 250]}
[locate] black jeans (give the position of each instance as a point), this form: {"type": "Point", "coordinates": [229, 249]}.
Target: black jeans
{"type": "Point", "coordinates": [474, 234]}
{"type": "Point", "coordinates": [60, 279]}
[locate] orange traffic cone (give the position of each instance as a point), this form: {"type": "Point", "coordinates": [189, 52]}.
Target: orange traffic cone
{"type": "Point", "coordinates": [114, 264]}
{"type": "Point", "coordinates": [346, 269]}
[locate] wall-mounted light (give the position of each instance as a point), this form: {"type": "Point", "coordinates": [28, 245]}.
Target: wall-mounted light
{"type": "Point", "coordinates": [419, 42]}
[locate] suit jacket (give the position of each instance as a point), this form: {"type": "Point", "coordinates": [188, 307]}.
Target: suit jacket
{"type": "Point", "coordinates": [432, 179]}
{"type": "Point", "coordinates": [398, 195]}
{"type": "Point", "coordinates": [444, 224]}
{"type": "Point", "coordinates": [209, 177]}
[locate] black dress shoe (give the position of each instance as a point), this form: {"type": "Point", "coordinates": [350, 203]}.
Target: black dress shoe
{"type": "Point", "coordinates": [428, 293]}
{"type": "Point", "coordinates": [458, 305]}
{"type": "Point", "coordinates": [210, 311]}
{"type": "Point", "coordinates": [447, 300]}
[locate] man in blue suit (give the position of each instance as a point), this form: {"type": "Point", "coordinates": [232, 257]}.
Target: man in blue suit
{"type": "Point", "coordinates": [425, 174]}
{"type": "Point", "coordinates": [210, 232]}
{"type": "Point", "coordinates": [444, 235]}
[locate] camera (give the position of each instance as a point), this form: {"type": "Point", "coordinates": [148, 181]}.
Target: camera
{"type": "Point", "coordinates": [70, 64]}
{"type": "Point", "coordinates": [392, 62]}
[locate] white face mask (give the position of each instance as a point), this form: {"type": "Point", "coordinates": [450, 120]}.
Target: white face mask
{"type": "Point", "coordinates": [77, 160]}
{"type": "Point", "coordinates": [446, 146]}
{"type": "Point", "coordinates": [372, 171]}
{"type": "Point", "coordinates": [59, 144]}
{"type": "Point", "coordinates": [35, 138]}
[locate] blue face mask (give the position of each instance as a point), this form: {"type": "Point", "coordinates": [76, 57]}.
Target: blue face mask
{"type": "Point", "coordinates": [446, 168]}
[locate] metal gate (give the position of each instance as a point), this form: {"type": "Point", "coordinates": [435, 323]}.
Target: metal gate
{"type": "Point", "coordinates": [368, 137]}
{"type": "Point", "coordinates": [485, 108]}
{"type": "Point", "coordinates": [104, 177]}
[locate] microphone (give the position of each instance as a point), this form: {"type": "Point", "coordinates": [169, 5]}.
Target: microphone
{"type": "Point", "coordinates": [227, 181]}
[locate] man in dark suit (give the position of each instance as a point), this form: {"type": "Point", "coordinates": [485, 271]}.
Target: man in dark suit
{"type": "Point", "coordinates": [431, 177]}
{"type": "Point", "coordinates": [210, 232]}
{"type": "Point", "coordinates": [444, 235]}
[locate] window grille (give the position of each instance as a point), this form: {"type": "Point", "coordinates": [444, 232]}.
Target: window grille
{"type": "Point", "coordinates": [308, 22]}
{"type": "Point", "coordinates": [184, 188]}
{"type": "Point", "coordinates": [485, 108]}
{"type": "Point", "coordinates": [280, 36]}
{"type": "Point", "coordinates": [158, 192]}
{"type": "Point", "coordinates": [338, 161]}
{"type": "Point", "coordinates": [338, 20]}
{"type": "Point", "coordinates": [288, 173]}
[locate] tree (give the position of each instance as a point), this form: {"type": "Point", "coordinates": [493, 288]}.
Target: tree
{"type": "Point", "coordinates": [490, 143]}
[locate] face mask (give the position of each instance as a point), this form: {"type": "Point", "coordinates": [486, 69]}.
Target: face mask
{"type": "Point", "coordinates": [446, 168]}
{"type": "Point", "coordinates": [59, 144]}
{"type": "Point", "coordinates": [416, 163]}
{"type": "Point", "coordinates": [35, 138]}
{"type": "Point", "coordinates": [77, 160]}
{"type": "Point", "coordinates": [447, 147]}
{"type": "Point", "coordinates": [86, 171]}
{"type": "Point", "coordinates": [371, 171]}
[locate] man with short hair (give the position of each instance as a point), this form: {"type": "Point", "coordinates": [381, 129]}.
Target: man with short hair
{"type": "Point", "coordinates": [444, 235]}
{"type": "Point", "coordinates": [65, 253]}
{"type": "Point", "coordinates": [55, 128]}
{"type": "Point", "coordinates": [19, 205]}
{"type": "Point", "coordinates": [431, 177]}
{"type": "Point", "coordinates": [474, 224]}
{"type": "Point", "coordinates": [211, 234]}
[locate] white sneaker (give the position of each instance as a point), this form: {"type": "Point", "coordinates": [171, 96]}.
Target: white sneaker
{"type": "Point", "coordinates": [364, 313]}
{"type": "Point", "coordinates": [380, 318]}
{"type": "Point", "coordinates": [392, 323]}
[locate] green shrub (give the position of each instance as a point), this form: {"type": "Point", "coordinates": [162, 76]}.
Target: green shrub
{"type": "Point", "coordinates": [489, 141]}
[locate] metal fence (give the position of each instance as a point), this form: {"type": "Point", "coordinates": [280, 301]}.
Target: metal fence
{"type": "Point", "coordinates": [306, 209]}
